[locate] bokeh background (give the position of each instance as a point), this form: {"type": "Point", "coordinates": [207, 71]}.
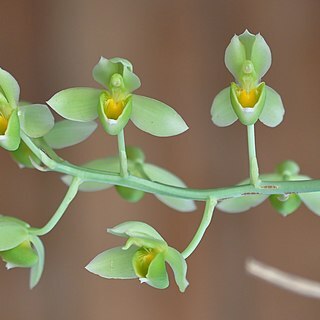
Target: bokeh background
{"type": "Point", "coordinates": [177, 48]}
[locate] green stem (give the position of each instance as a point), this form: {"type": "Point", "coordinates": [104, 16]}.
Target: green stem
{"type": "Point", "coordinates": [70, 195]}
{"type": "Point", "coordinates": [253, 162]}
{"type": "Point", "coordinates": [206, 219]}
{"type": "Point", "coordinates": [122, 155]}
{"type": "Point", "coordinates": [85, 174]}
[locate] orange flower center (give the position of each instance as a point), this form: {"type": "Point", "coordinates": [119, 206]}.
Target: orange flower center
{"type": "Point", "coordinates": [113, 109]}
{"type": "Point", "coordinates": [3, 124]}
{"type": "Point", "coordinates": [248, 99]}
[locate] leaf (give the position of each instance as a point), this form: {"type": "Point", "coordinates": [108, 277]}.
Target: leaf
{"type": "Point", "coordinates": [222, 112]}
{"type": "Point", "coordinates": [163, 176]}
{"type": "Point", "coordinates": [114, 263]}
{"type": "Point", "coordinates": [157, 276]}
{"type": "Point", "coordinates": [35, 120]}
{"type": "Point", "coordinates": [67, 133]}
{"type": "Point", "coordinates": [11, 235]}
{"type": "Point", "coordinates": [36, 270]}
{"type": "Point", "coordinates": [273, 111]}
{"type": "Point", "coordinates": [155, 117]}
{"type": "Point", "coordinates": [179, 267]}
{"type": "Point", "coordinates": [135, 229]}
{"type": "Point", "coordinates": [10, 87]}
{"type": "Point", "coordinates": [78, 104]}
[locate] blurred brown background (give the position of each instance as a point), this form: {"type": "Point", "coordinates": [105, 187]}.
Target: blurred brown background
{"type": "Point", "coordinates": [177, 48]}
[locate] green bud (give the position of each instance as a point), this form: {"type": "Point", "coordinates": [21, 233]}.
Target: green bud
{"type": "Point", "coordinates": [114, 114]}
{"type": "Point", "coordinates": [135, 154]}
{"type": "Point", "coordinates": [248, 105]}
{"type": "Point", "coordinates": [285, 204]}
{"type": "Point", "coordinates": [288, 168]}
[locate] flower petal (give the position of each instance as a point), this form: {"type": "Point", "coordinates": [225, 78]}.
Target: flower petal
{"type": "Point", "coordinates": [36, 270]}
{"type": "Point", "coordinates": [155, 117]}
{"type": "Point", "coordinates": [114, 263]}
{"type": "Point", "coordinates": [163, 176]}
{"type": "Point", "coordinates": [11, 234]}
{"type": "Point", "coordinates": [312, 201]}
{"type": "Point", "coordinates": [135, 229]}
{"type": "Point", "coordinates": [179, 267]}
{"type": "Point", "coordinates": [234, 57]}
{"type": "Point", "coordinates": [11, 139]}
{"type": "Point", "coordinates": [35, 120]}
{"type": "Point", "coordinates": [273, 111]}
{"type": "Point", "coordinates": [10, 87]}
{"type": "Point", "coordinates": [67, 133]}
{"type": "Point", "coordinates": [157, 275]}
{"type": "Point", "coordinates": [260, 56]}
{"type": "Point", "coordinates": [78, 104]}
{"type": "Point", "coordinates": [222, 112]}
{"type": "Point", "coordinates": [241, 204]}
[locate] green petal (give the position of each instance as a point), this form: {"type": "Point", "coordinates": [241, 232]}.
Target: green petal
{"type": "Point", "coordinates": [112, 126]}
{"type": "Point", "coordinates": [135, 229]}
{"type": "Point", "coordinates": [312, 201]}
{"type": "Point", "coordinates": [273, 111]}
{"type": "Point", "coordinates": [78, 104]}
{"type": "Point", "coordinates": [157, 276]}
{"type": "Point", "coordinates": [12, 234]}
{"type": "Point", "coordinates": [104, 70]}
{"type": "Point", "coordinates": [23, 256]}
{"type": "Point", "coordinates": [222, 113]}
{"type": "Point", "coordinates": [163, 176]}
{"type": "Point", "coordinates": [36, 270]}
{"type": "Point", "coordinates": [35, 120]}
{"type": "Point", "coordinates": [241, 204]}
{"type": "Point", "coordinates": [260, 56]}
{"type": "Point", "coordinates": [110, 164]}
{"type": "Point", "coordinates": [25, 157]}
{"type": "Point", "coordinates": [248, 116]}
{"type": "Point", "coordinates": [179, 267]}
{"type": "Point", "coordinates": [115, 263]}
{"type": "Point", "coordinates": [5, 219]}
{"type": "Point", "coordinates": [67, 133]}
{"type": "Point", "coordinates": [155, 117]}
{"type": "Point", "coordinates": [10, 87]}
{"type": "Point", "coordinates": [131, 81]}
{"type": "Point", "coordinates": [285, 204]}
{"type": "Point", "coordinates": [247, 39]}
{"type": "Point", "coordinates": [11, 139]}
{"type": "Point", "coordinates": [235, 56]}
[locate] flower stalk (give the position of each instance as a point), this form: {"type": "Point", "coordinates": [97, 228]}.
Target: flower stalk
{"type": "Point", "coordinates": [122, 155]}
{"type": "Point", "coordinates": [253, 162]}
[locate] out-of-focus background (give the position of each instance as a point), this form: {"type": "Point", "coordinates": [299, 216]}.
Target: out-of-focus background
{"type": "Point", "coordinates": [177, 48]}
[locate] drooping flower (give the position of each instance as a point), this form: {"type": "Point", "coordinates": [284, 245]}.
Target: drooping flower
{"type": "Point", "coordinates": [19, 248]}
{"type": "Point", "coordinates": [285, 204]}
{"type": "Point", "coordinates": [144, 256]}
{"type": "Point", "coordinates": [116, 104]}
{"type": "Point", "coordinates": [248, 58]}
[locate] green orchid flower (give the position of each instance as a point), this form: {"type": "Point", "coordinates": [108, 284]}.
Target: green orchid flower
{"type": "Point", "coordinates": [139, 168]}
{"type": "Point", "coordinates": [144, 256]}
{"type": "Point", "coordinates": [34, 120]}
{"type": "Point", "coordinates": [248, 58]}
{"type": "Point", "coordinates": [285, 204]}
{"type": "Point", "coordinates": [19, 248]}
{"type": "Point", "coordinates": [115, 105]}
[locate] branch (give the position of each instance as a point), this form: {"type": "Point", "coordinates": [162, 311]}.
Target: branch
{"type": "Point", "coordinates": [283, 280]}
